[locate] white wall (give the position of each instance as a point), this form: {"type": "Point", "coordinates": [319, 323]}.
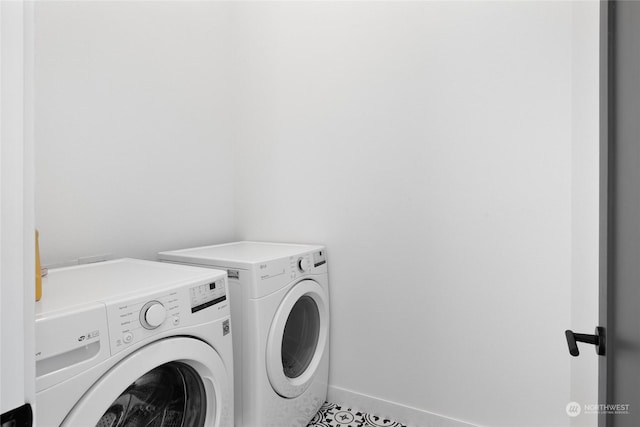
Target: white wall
{"type": "Point", "coordinates": [429, 146]}
{"type": "Point", "coordinates": [133, 127]}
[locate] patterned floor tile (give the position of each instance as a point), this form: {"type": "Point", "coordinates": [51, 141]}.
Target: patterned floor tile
{"type": "Point", "coordinates": [332, 415]}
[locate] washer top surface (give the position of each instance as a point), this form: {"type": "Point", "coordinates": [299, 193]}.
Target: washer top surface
{"type": "Point", "coordinates": [90, 283]}
{"type": "Point", "coordinates": [238, 253]}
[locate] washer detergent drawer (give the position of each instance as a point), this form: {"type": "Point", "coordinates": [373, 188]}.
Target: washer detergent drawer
{"type": "Point", "coordinates": [68, 343]}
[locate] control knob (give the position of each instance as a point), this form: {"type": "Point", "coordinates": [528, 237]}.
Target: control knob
{"type": "Point", "coordinates": [303, 264]}
{"type": "Point", "coordinates": [152, 314]}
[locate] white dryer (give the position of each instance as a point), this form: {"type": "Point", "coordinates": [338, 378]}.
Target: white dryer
{"type": "Point", "coordinates": [280, 314]}
{"type": "Point", "coordinates": [132, 343]}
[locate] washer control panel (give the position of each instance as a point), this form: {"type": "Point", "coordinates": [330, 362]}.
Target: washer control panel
{"type": "Point", "coordinates": [133, 320]}
{"type": "Point", "coordinates": [206, 295]}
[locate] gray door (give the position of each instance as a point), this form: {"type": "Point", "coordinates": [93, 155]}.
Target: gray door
{"type": "Point", "coordinates": [619, 370]}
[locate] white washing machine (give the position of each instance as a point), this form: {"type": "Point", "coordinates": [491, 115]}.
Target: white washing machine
{"type": "Point", "coordinates": [280, 315]}
{"type": "Point", "coordinates": [134, 343]}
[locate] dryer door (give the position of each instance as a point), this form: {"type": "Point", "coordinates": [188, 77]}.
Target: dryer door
{"type": "Point", "coordinates": [173, 382]}
{"type": "Point", "coordinates": [297, 338]}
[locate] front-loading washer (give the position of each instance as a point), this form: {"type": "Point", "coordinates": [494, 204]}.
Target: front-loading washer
{"type": "Point", "coordinates": [134, 343]}
{"type": "Point", "coordinates": [280, 315]}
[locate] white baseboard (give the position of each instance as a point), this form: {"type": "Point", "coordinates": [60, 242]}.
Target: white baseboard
{"type": "Point", "coordinates": [412, 417]}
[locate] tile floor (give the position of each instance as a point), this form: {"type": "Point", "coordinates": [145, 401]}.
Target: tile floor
{"type": "Point", "coordinates": [332, 415]}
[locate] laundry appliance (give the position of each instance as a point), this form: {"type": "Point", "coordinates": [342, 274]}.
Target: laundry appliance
{"type": "Point", "coordinates": [134, 343]}
{"type": "Point", "coordinates": [280, 314]}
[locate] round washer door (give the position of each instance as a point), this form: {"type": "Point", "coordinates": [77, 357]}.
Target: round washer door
{"type": "Point", "coordinates": [175, 381]}
{"type": "Point", "coordinates": [297, 338]}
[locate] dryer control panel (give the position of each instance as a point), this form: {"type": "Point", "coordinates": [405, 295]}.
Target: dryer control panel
{"type": "Point", "coordinates": [272, 275]}
{"type": "Point", "coordinates": [133, 320]}
{"type": "Point", "coordinates": [308, 262]}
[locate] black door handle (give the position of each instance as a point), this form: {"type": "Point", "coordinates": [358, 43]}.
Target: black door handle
{"type": "Point", "coordinates": [598, 340]}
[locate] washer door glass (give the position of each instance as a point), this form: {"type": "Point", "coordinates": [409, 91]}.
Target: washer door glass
{"type": "Point", "coordinates": [297, 342]}
{"type": "Point", "coordinates": [300, 337]}
{"type": "Point", "coordinates": [170, 395]}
